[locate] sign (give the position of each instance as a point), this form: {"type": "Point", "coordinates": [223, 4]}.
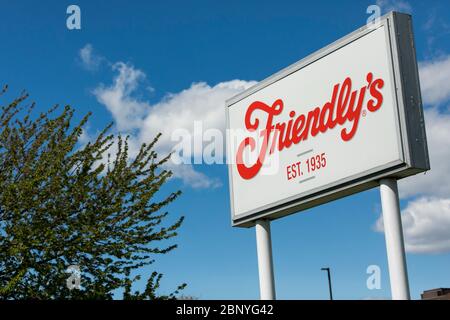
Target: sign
{"type": "Point", "coordinates": [328, 126]}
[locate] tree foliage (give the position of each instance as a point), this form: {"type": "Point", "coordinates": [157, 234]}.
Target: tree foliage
{"type": "Point", "coordinates": [63, 204]}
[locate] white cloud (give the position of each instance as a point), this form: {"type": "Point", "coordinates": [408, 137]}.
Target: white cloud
{"type": "Point", "coordinates": [143, 121]}
{"type": "Point", "coordinates": [426, 225]}
{"type": "Point", "coordinates": [394, 5]}
{"type": "Point", "coordinates": [200, 102]}
{"type": "Point", "coordinates": [193, 178]}
{"type": "Point", "coordinates": [89, 59]}
{"type": "Point", "coordinates": [127, 111]}
{"type": "Point", "coordinates": [435, 80]}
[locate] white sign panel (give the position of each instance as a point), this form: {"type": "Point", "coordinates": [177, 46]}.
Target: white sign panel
{"type": "Point", "coordinates": [326, 127]}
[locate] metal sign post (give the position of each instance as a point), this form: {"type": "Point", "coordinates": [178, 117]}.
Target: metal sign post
{"type": "Point", "coordinates": [394, 239]}
{"type": "Point", "coordinates": [265, 263]}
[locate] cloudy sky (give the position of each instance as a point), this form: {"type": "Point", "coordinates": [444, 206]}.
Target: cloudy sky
{"type": "Point", "coordinates": [161, 66]}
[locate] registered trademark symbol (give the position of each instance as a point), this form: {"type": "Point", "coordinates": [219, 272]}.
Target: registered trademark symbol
{"type": "Point", "coordinates": [364, 113]}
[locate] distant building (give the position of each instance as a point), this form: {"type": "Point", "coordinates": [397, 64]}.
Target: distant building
{"type": "Point", "coordinates": [436, 294]}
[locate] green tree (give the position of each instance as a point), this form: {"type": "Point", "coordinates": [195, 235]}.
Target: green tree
{"type": "Point", "coordinates": [63, 204]}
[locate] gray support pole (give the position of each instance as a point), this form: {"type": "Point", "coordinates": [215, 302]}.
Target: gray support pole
{"type": "Point", "coordinates": [394, 240]}
{"type": "Point", "coordinates": [265, 263]}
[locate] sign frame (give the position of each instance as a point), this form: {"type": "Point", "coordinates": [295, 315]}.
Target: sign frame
{"type": "Point", "coordinates": [410, 123]}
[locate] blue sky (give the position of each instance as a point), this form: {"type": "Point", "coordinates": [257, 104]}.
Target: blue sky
{"type": "Point", "coordinates": [137, 60]}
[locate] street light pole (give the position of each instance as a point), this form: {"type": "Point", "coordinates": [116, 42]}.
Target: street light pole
{"type": "Point", "coordinates": [329, 281]}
